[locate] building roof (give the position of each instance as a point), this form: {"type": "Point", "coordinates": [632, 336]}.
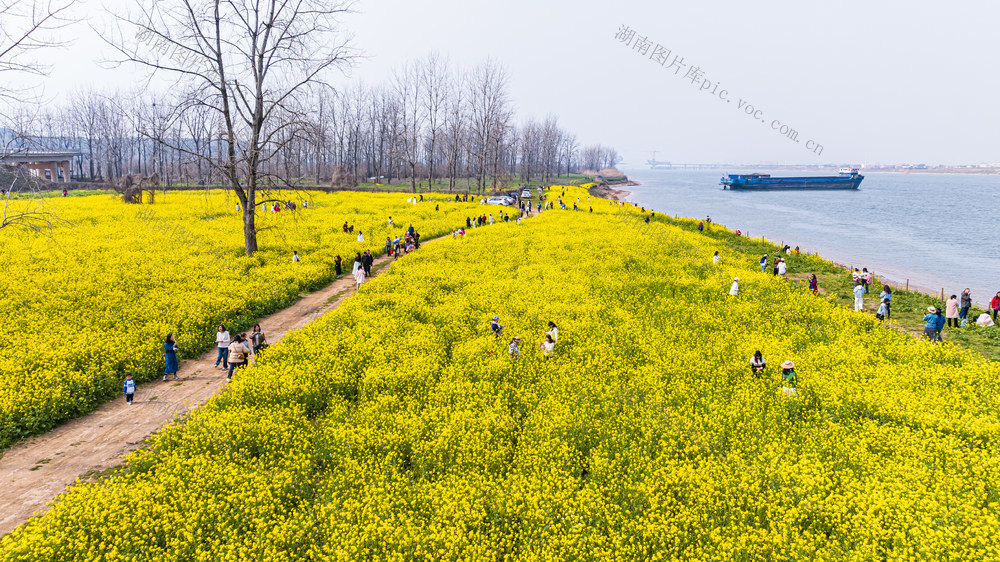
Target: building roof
{"type": "Point", "coordinates": [25, 156]}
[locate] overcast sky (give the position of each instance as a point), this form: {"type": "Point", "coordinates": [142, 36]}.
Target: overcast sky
{"type": "Point", "coordinates": [882, 82]}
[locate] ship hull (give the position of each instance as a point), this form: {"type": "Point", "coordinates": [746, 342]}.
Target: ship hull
{"type": "Point", "coordinates": [806, 183]}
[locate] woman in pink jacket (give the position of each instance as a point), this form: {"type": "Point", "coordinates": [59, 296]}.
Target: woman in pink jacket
{"type": "Point", "coordinates": [951, 311]}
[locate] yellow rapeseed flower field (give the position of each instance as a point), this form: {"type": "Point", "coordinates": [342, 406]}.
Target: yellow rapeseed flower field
{"type": "Point", "coordinates": [97, 297]}
{"type": "Point", "coordinates": [398, 427]}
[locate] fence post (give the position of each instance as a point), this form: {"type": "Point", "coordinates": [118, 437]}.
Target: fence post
{"type": "Point", "coordinates": [907, 284]}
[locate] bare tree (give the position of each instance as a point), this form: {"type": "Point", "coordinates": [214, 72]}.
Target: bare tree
{"type": "Point", "coordinates": [253, 64]}
{"type": "Point", "coordinates": [434, 77]}
{"type": "Point", "coordinates": [27, 26]}
{"type": "Point", "coordinates": [490, 114]}
{"type": "Point", "coordinates": [406, 90]}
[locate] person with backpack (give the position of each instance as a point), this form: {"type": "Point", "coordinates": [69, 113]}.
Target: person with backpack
{"type": "Point", "coordinates": [238, 354]}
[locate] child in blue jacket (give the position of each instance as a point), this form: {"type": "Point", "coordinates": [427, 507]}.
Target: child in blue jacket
{"type": "Point", "coordinates": [129, 388]}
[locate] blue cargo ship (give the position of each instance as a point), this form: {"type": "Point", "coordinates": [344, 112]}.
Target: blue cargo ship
{"type": "Point", "coordinates": [848, 178]}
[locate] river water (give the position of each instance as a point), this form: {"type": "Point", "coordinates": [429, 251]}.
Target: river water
{"type": "Point", "coordinates": [937, 230]}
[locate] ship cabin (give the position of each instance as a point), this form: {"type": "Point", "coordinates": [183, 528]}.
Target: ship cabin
{"type": "Point", "coordinates": [849, 172]}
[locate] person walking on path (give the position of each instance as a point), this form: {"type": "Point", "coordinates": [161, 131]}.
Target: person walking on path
{"type": "Point", "coordinates": [782, 268]}
{"type": "Point", "coordinates": [129, 388]}
{"type": "Point", "coordinates": [238, 353]}
{"type": "Point", "coordinates": [930, 323]}
{"type": "Point", "coordinates": [966, 304]}
{"type": "Point", "coordinates": [757, 364]}
{"type": "Point", "coordinates": [359, 278]}
{"type": "Point", "coordinates": [337, 267]}
{"type": "Point", "coordinates": [553, 332]}
{"type": "Point", "coordinates": [222, 342]}
{"type": "Point", "coordinates": [951, 311]}
{"type": "Point", "coordinates": [366, 262]}
{"type": "Point", "coordinates": [995, 305]}
{"type": "Point", "coordinates": [866, 278]}
{"type": "Point", "coordinates": [789, 380]}
{"type": "Point", "coordinates": [357, 263]}
{"type": "Point", "coordinates": [814, 284]}
{"type": "Point", "coordinates": [170, 356]}
{"type": "Point", "coordinates": [257, 339]}
{"type": "Point", "coordinates": [859, 297]}
{"type": "Point", "coordinates": [388, 246]}
{"type": "Point", "coordinates": [734, 289]}
{"type": "Point", "coordinates": [886, 298]}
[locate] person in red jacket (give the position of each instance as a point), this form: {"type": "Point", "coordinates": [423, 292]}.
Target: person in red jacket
{"type": "Point", "coordinates": [995, 305]}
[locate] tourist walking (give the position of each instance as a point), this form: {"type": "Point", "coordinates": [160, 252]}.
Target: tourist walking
{"type": "Point", "coordinates": [129, 388]}
{"type": "Point", "coordinates": [966, 303]}
{"type": "Point", "coordinates": [866, 278]}
{"type": "Point", "coordinates": [388, 245]}
{"type": "Point", "coordinates": [951, 311]}
{"type": "Point", "coordinates": [734, 289]}
{"type": "Point", "coordinates": [886, 297]}
{"type": "Point", "coordinates": [238, 354]}
{"type": "Point", "coordinates": [222, 342]}
{"type": "Point", "coordinates": [359, 277]}
{"type": "Point", "coordinates": [357, 263]}
{"type": "Point", "coordinates": [782, 268]}
{"type": "Point", "coordinates": [789, 380]}
{"type": "Point", "coordinates": [337, 267]}
{"type": "Point", "coordinates": [859, 297]}
{"type": "Point", "coordinates": [763, 264]}
{"type": "Point", "coordinates": [366, 262]}
{"type": "Point", "coordinates": [170, 356]}
{"type": "Point", "coordinates": [257, 339]}
{"type": "Point", "coordinates": [757, 364]}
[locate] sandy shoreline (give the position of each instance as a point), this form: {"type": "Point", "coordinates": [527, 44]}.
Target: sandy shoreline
{"type": "Point", "coordinates": [606, 192]}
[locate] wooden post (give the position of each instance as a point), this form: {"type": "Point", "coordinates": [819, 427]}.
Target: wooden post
{"type": "Point", "coordinates": [907, 284]}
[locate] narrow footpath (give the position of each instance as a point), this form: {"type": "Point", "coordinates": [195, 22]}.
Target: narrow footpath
{"type": "Point", "coordinates": [36, 470]}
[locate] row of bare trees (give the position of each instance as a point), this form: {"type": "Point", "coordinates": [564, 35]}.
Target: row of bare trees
{"type": "Point", "coordinates": [251, 107]}
{"type": "Point", "coordinates": [428, 124]}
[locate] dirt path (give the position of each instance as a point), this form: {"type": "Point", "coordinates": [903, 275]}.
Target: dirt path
{"type": "Point", "coordinates": [36, 470]}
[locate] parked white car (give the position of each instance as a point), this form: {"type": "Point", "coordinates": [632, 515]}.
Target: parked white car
{"type": "Point", "coordinates": [497, 201]}
{"type": "Point", "coordinates": [526, 193]}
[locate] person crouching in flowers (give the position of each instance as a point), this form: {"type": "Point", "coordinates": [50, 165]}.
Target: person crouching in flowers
{"type": "Point", "coordinates": [757, 364]}
{"type": "Point", "coordinates": [547, 346]}
{"type": "Point", "coordinates": [514, 349]}
{"type": "Point", "coordinates": [170, 356]}
{"type": "Point", "coordinates": [789, 380]}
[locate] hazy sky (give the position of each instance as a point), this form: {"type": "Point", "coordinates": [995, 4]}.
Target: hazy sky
{"type": "Point", "coordinates": [871, 82]}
